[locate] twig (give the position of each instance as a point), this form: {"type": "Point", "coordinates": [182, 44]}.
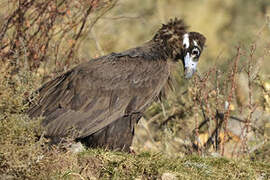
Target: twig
{"type": "Point", "coordinates": [227, 113]}
{"type": "Point", "coordinates": [80, 31]}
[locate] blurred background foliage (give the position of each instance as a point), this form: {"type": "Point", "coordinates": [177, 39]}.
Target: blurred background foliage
{"type": "Point", "coordinates": [227, 25]}
{"type": "Point", "coordinates": [224, 110]}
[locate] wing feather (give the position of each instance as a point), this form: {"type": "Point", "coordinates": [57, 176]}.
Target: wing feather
{"type": "Point", "coordinates": [96, 93]}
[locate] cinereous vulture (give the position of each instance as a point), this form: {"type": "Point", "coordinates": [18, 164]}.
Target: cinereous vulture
{"type": "Point", "coordinates": [100, 101]}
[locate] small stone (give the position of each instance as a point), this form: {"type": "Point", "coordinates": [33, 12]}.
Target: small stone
{"type": "Point", "coordinates": [168, 176]}
{"type": "Point", "coordinates": [76, 148]}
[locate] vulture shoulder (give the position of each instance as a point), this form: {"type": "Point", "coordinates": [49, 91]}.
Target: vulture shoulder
{"type": "Point", "coordinates": [96, 93]}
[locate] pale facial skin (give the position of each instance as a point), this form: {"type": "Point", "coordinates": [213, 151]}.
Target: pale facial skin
{"type": "Point", "coordinates": [192, 53]}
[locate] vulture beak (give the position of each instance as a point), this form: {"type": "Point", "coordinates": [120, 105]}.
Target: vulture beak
{"type": "Point", "coordinates": [191, 53]}
{"type": "Point", "coordinates": [190, 65]}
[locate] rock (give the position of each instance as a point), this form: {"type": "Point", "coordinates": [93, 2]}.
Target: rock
{"type": "Point", "coordinates": [168, 176]}
{"type": "Point", "coordinates": [76, 148]}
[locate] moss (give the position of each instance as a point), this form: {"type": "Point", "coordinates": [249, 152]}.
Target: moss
{"type": "Point", "coordinates": [146, 165]}
{"type": "Point", "coordinates": [23, 156]}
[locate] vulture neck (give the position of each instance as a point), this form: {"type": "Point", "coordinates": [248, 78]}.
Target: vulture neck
{"type": "Point", "coordinates": [157, 50]}
{"type": "Point", "coordinates": [172, 46]}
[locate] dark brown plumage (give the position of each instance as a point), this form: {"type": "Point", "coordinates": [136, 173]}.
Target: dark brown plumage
{"type": "Point", "coordinates": [100, 101]}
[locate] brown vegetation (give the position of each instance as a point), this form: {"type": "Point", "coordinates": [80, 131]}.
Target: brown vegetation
{"type": "Point", "coordinates": [223, 111]}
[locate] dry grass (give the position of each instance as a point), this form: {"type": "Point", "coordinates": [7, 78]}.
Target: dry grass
{"type": "Point", "coordinates": [223, 111]}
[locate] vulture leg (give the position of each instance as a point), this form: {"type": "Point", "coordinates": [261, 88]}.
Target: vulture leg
{"type": "Point", "coordinates": [116, 136]}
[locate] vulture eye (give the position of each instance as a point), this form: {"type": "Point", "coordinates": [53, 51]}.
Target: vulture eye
{"type": "Point", "coordinates": [185, 46]}
{"type": "Point", "coordinates": [195, 52]}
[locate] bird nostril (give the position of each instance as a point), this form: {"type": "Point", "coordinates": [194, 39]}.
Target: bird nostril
{"type": "Point", "coordinates": [195, 52]}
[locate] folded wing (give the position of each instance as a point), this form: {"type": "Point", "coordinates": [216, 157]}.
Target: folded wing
{"type": "Point", "coordinates": [96, 93]}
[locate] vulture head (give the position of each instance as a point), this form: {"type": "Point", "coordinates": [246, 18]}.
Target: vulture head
{"type": "Point", "coordinates": [181, 45]}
